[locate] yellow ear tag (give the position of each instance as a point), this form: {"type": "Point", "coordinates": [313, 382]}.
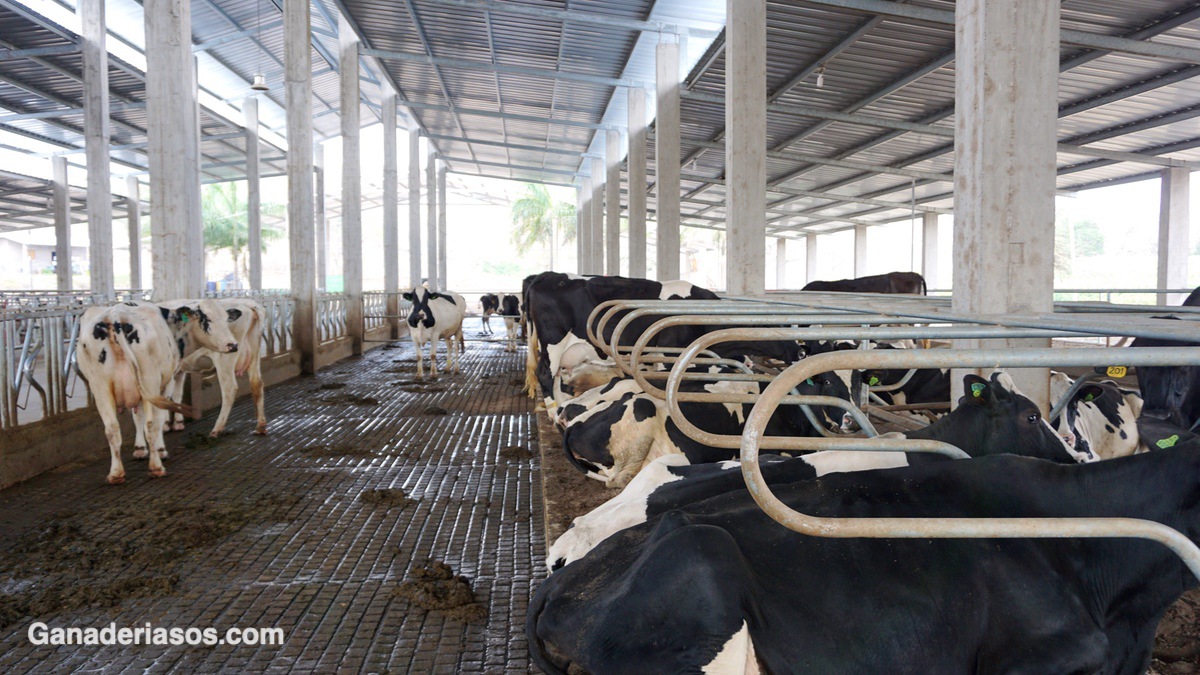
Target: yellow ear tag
{"type": "Point", "coordinates": [1116, 371]}
{"type": "Point", "coordinates": [874, 381]}
{"type": "Point", "coordinates": [1168, 442]}
{"type": "Point", "coordinates": [977, 389]}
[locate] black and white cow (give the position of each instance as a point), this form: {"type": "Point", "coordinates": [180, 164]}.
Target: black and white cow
{"type": "Point", "coordinates": [1173, 391]}
{"type": "Point", "coordinates": [717, 586]}
{"type": "Point", "coordinates": [510, 309]}
{"type": "Point", "coordinates": [490, 303]}
{"type": "Point", "coordinates": [892, 282]}
{"type": "Point", "coordinates": [1100, 420]}
{"type": "Point", "coordinates": [557, 308]}
{"type": "Point", "coordinates": [435, 316]}
{"type": "Point", "coordinates": [999, 420]}
{"type": "Point", "coordinates": [128, 356]}
{"type": "Point", "coordinates": [612, 432]}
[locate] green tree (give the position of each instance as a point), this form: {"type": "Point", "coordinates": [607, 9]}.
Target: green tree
{"type": "Point", "coordinates": [538, 218]}
{"type": "Point", "coordinates": [226, 222]}
{"type": "Point", "coordinates": [1072, 240]}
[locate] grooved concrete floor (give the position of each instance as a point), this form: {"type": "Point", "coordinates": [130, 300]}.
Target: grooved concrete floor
{"type": "Point", "coordinates": [284, 540]}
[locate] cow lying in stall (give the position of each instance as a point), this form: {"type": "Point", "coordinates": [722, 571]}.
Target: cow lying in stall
{"type": "Point", "coordinates": [128, 353]}
{"type": "Point", "coordinates": [892, 282]}
{"type": "Point", "coordinates": [435, 316]}
{"type": "Point", "coordinates": [997, 420]}
{"type": "Point", "coordinates": [717, 586]}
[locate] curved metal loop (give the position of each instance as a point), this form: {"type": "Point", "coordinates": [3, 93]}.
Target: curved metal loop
{"type": "Point", "coordinates": [1075, 387]}
{"type": "Point", "coordinates": [941, 528]}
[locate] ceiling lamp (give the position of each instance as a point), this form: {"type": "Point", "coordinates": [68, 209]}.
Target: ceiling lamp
{"type": "Point", "coordinates": [260, 83]}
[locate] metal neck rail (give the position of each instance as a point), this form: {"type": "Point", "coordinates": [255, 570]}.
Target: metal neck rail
{"type": "Point", "coordinates": [945, 528]}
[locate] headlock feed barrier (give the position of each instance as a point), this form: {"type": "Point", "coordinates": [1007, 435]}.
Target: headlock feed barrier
{"type": "Point", "coordinates": [876, 318]}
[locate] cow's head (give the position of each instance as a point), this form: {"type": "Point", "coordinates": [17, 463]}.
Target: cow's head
{"type": "Point", "coordinates": [1100, 421]}
{"type": "Point", "coordinates": [420, 313]}
{"type": "Point", "coordinates": [203, 323]}
{"type": "Point", "coordinates": [994, 417]}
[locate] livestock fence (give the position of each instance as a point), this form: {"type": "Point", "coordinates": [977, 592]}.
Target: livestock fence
{"type": "Point", "coordinates": [876, 318]}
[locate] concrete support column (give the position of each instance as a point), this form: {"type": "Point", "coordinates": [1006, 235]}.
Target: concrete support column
{"type": "Point", "coordinates": [297, 51]}
{"type": "Point", "coordinates": [810, 258]}
{"type": "Point", "coordinates": [1005, 119]}
{"type": "Point", "coordinates": [781, 263]}
{"type": "Point", "coordinates": [352, 243]}
{"type": "Point", "coordinates": [96, 139]}
{"type": "Point", "coordinates": [133, 207]}
{"type": "Point", "coordinates": [253, 193]}
{"type": "Point", "coordinates": [597, 223]}
{"type": "Point", "coordinates": [60, 200]}
{"type": "Point", "coordinates": [929, 249]}
{"type": "Point", "coordinates": [612, 201]}
{"type": "Point", "coordinates": [637, 182]}
{"type": "Point", "coordinates": [443, 254]}
{"type": "Point", "coordinates": [174, 151]}
{"type": "Point", "coordinates": [431, 241]}
{"type": "Point", "coordinates": [320, 224]}
{"type": "Point", "coordinates": [666, 159]}
{"type": "Point", "coordinates": [414, 207]}
{"type": "Point", "coordinates": [746, 146]}
{"type": "Point", "coordinates": [391, 214]}
{"type": "Point", "coordinates": [1173, 222]}
{"type": "Point", "coordinates": [583, 216]}
{"type": "Point", "coordinates": [860, 250]}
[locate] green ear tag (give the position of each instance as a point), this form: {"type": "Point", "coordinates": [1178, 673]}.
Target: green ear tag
{"type": "Point", "coordinates": [977, 389]}
{"type": "Point", "coordinates": [1168, 442]}
{"type": "Point", "coordinates": [874, 381]}
{"type": "Point", "coordinates": [809, 381]}
{"type": "Point", "coordinates": [1088, 397]}
{"type": "Point", "coordinates": [184, 317]}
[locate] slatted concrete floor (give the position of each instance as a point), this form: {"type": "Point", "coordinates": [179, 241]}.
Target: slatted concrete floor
{"type": "Point", "coordinates": [270, 532]}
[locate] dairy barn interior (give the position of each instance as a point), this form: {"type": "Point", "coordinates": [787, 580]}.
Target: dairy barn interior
{"type": "Point", "coordinates": [574, 483]}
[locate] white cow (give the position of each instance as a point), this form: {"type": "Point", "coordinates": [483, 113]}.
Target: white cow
{"type": "Point", "coordinates": [1100, 421]}
{"type": "Point", "coordinates": [510, 308]}
{"type": "Point", "coordinates": [245, 320]}
{"type": "Point", "coordinates": [433, 316]}
{"type": "Point", "coordinates": [128, 357]}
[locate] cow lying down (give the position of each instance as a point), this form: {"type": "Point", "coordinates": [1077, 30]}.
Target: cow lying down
{"type": "Point", "coordinates": [998, 420]}
{"type": "Point", "coordinates": [611, 432]}
{"type": "Point", "coordinates": [717, 586]}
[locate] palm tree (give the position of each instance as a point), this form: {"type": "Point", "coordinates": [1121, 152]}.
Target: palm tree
{"type": "Point", "coordinates": [226, 222]}
{"type": "Point", "coordinates": [538, 218]}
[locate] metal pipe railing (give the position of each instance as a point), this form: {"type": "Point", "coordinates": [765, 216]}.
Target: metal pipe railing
{"type": "Point", "coordinates": [752, 440]}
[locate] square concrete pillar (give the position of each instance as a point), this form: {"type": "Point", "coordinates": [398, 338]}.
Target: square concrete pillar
{"type": "Point", "coordinates": [1173, 222]}
{"type": "Point", "coordinates": [133, 207]}
{"type": "Point", "coordinates": [637, 182]}
{"type": "Point", "coordinates": [597, 222]}
{"type": "Point", "coordinates": [297, 50]}
{"type": "Point", "coordinates": [391, 214]}
{"type": "Point", "coordinates": [746, 146]}
{"type": "Point", "coordinates": [929, 249]}
{"type": "Point", "coordinates": [414, 206]}
{"type": "Point", "coordinates": [666, 159]}
{"type": "Point", "coordinates": [96, 142]}
{"type": "Point", "coordinates": [810, 257]}
{"type": "Point", "coordinates": [860, 250]}
{"type": "Point", "coordinates": [60, 204]}
{"type": "Point", "coordinates": [352, 245]}
{"type": "Point", "coordinates": [583, 216]}
{"type": "Point", "coordinates": [612, 203]}
{"type": "Point", "coordinates": [253, 192]}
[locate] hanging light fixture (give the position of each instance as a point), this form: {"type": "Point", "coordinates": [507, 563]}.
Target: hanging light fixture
{"type": "Point", "coordinates": [260, 80]}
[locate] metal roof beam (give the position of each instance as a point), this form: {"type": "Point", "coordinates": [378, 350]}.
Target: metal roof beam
{"type": "Point", "coordinates": [496, 68]}
{"type": "Point", "coordinates": [33, 52]}
{"type": "Point", "coordinates": [502, 144]}
{"type": "Point", "coordinates": [849, 118]}
{"type": "Point", "coordinates": [819, 195]}
{"type": "Point", "coordinates": [697, 28]}
{"type": "Point", "coordinates": [49, 114]}
{"type": "Point", "coordinates": [236, 37]}
{"type": "Point", "coordinates": [1181, 115]}
{"type": "Point", "coordinates": [511, 116]}
{"type": "Point", "coordinates": [1076, 38]}
{"type": "Point", "coordinates": [504, 165]}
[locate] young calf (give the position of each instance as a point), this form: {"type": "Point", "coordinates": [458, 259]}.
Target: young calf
{"type": "Point", "coordinates": [434, 316]}
{"type": "Point", "coordinates": [510, 308]}
{"type": "Point", "coordinates": [127, 355]}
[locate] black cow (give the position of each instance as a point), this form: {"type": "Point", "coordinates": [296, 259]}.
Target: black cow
{"type": "Point", "coordinates": [718, 586]}
{"type": "Point", "coordinates": [998, 420]}
{"type": "Point", "coordinates": [1173, 390]}
{"type": "Point", "coordinates": [892, 282]}
{"type": "Point", "coordinates": [491, 305]}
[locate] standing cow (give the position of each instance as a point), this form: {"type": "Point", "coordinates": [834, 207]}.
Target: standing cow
{"type": "Point", "coordinates": [510, 309]}
{"type": "Point", "coordinates": [433, 316]}
{"type": "Point", "coordinates": [128, 356]}
{"type": "Point", "coordinates": [490, 303]}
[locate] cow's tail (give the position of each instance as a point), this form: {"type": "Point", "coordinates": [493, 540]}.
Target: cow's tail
{"type": "Point", "coordinates": [537, 648]}
{"type": "Point", "coordinates": [531, 362]}
{"type": "Point", "coordinates": [253, 336]}
{"type": "Point", "coordinates": [150, 394]}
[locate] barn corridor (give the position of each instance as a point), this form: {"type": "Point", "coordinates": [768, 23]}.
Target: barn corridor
{"type": "Point", "coordinates": [284, 531]}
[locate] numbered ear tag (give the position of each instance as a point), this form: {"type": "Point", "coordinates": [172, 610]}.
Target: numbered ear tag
{"type": "Point", "coordinates": [810, 381]}
{"type": "Point", "coordinates": [1116, 371]}
{"type": "Point", "coordinates": [874, 381]}
{"type": "Point", "coordinates": [1088, 397]}
{"type": "Point", "coordinates": [977, 389]}
{"type": "Point", "coordinates": [1168, 442]}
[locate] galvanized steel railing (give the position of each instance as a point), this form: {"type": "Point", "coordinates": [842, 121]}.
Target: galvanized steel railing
{"type": "Point", "coordinates": [37, 355]}
{"type": "Point", "coordinates": [331, 316]}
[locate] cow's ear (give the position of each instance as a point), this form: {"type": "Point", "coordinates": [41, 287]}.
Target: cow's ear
{"type": "Point", "coordinates": [233, 314]}
{"type": "Point", "coordinates": [184, 314]}
{"type": "Point", "coordinates": [1089, 392]}
{"type": "Point", "coordinates": [166, 313]}
{"type": "Point", "coordinates": [977, 391]}
{"type": "Point", "coordinates": [407, 295]}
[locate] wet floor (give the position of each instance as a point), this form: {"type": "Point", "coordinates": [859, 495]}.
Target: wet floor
{"type": "Point", "coordinates": [365, 477]}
